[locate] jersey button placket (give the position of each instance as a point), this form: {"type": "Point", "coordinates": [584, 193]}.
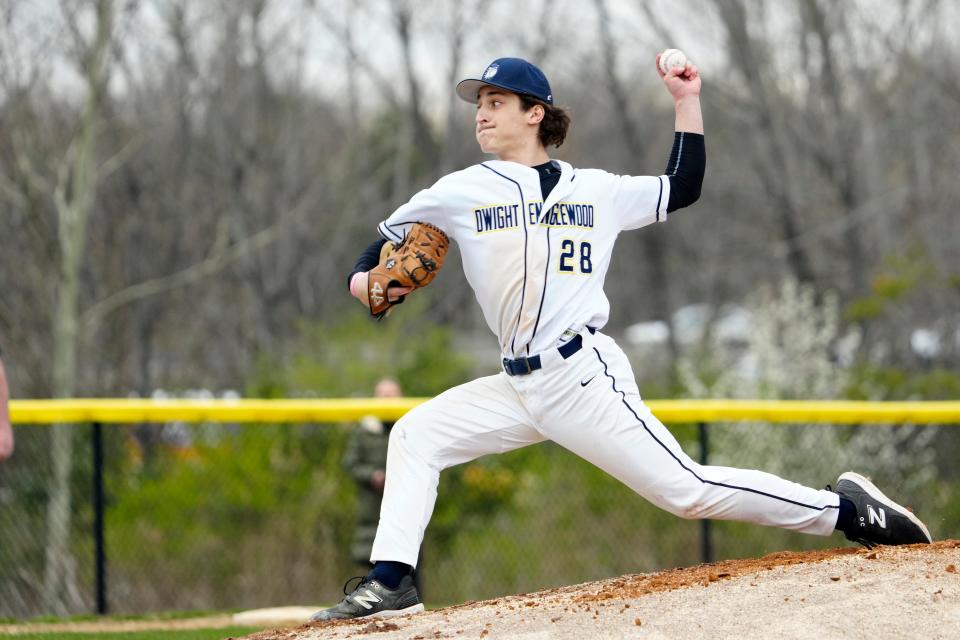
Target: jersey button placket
{"type": "Point", "coordinates": [538, 258]}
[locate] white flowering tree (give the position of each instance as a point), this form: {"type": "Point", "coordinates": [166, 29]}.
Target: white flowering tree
{"type": "Point", "coordinates": [797, 349]}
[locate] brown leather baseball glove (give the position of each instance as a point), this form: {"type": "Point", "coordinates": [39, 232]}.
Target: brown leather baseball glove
{"type": "Point", "coordinates": [414, 262]}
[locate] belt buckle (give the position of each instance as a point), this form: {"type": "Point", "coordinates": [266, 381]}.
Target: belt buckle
{"type": "Point", "coordinates": [512, 366]}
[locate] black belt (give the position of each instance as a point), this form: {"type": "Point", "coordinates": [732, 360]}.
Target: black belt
{"type": "Point", "coordinates": [523, 366]}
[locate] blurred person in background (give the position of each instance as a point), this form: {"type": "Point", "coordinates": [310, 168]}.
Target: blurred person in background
{"type": "Point", "coordinates": [365, 460]}
{"type": "Point", "coordinates": [6, 431]}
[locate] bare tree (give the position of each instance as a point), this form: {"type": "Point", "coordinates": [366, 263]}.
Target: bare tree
{"type": "Point", "coordinates": [416, 137]}
{"type": "Point", "coordinates": [459, 21]}
{"type": "Point", "coordinates": [772, 157]}
{"type": "Point", "coordinates": [74, 193]}
{"type": "Point", "coordinates": [653, 246]}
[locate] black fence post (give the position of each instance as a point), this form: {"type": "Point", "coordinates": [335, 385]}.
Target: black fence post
{"type": "Point", "coordinates": [706, 540]}
{"type": "Point", "coordinates": [100, 551]}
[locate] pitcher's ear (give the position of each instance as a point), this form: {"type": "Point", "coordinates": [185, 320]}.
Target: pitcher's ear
{"type": "Point", "coordinates": [536, 114]}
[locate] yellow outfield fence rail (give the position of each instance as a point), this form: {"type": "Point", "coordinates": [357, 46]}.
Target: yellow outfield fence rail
{"type": "Point", "coordinates": [125, 411]}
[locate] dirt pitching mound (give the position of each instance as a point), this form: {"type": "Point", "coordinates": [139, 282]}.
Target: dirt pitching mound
{"type": "Point", "coordinates": [889, 592]}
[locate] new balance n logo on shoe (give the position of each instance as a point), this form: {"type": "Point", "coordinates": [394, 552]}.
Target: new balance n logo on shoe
{"type": "Point", "coordinates": [367, 599]}
{"type": "Point", "coordinates": [877, 516]}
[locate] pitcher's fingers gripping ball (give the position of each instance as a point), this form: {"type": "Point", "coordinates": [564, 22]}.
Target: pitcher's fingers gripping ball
{"type": "Point", "coordinates": [411, 264]}
{"type": "Point", "coordinates": [671, 59]}
{"type": "Point", "coordinates": [681, 77]}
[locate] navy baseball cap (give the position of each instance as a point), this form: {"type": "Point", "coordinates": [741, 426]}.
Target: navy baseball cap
{"type": "Point", "coordinates": [513, 74]}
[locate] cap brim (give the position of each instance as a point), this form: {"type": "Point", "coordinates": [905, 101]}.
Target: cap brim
{"type": "Point", "coordinates": [469, 90]}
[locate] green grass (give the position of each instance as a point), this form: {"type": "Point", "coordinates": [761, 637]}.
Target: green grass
{"type": "Point", "coordinates": [172, 634]}
{"type": "Point", "coordinates": [91, 617]}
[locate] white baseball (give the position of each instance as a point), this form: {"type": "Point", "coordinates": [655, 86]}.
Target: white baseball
{"type": "Point", "coordinates": [671, 58]}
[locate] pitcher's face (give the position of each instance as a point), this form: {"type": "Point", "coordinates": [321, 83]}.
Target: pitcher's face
{"type": "Point", "coordinates": [502, 124]}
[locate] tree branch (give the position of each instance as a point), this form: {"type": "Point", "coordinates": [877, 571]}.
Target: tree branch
{"type": "Point", "coordinates": [91, 318]}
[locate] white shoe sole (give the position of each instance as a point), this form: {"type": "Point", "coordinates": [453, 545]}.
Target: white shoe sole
{"type": "Point", "coordinates": [878, 495]}
{"type": "Point", "coordinates": [393, 613]}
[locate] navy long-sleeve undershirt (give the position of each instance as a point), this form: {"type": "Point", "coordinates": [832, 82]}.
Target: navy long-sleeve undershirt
{"type": "Point", "coordinates": [687, 164]}
{"type": "Point", "coordinates": [368, 259]}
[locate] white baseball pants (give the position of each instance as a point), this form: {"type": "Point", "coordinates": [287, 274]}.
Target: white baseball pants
{"type": "Point", "coordinates": [590, 405]}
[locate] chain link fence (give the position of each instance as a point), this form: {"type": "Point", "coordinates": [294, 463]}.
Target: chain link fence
{"type": "Point", "coordinates": [225, 517]}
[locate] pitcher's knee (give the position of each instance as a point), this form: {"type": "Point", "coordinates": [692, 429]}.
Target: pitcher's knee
{"type": "Point", "coordinates": [412, 438]}
{"type": "Point", "coordinates": [400, 433]}
{"type": "Point", "coordinates": [695, 511]}
{"type": "Point", "coordinates": [691, 504]}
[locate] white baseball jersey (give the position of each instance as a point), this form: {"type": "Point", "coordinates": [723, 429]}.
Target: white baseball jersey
{"type": "Point", "coordinates": [537, 267]}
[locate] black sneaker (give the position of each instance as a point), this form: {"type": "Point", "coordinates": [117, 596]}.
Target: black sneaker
{"type": "Point", "coordinates": [880, 520]}
{"type": "Point", "coordinates": [371, 598]}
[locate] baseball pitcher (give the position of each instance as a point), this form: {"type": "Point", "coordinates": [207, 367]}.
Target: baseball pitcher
{"type": "Point", "coordinates": [536, 236]}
